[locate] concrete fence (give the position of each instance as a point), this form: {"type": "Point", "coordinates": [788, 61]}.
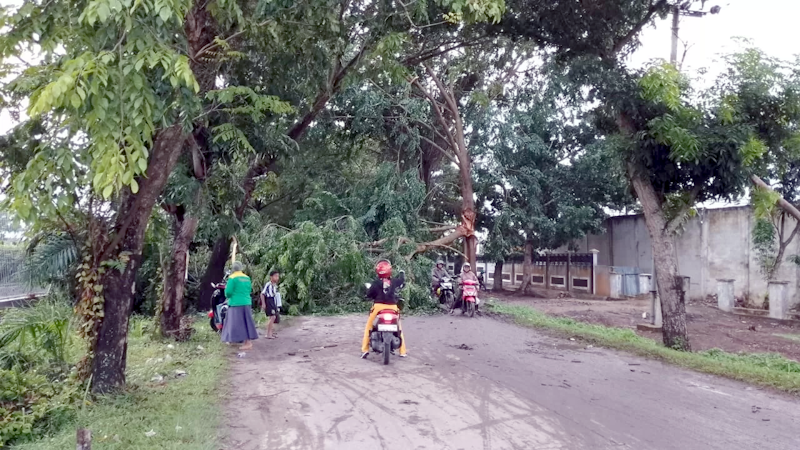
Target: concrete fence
{"type": "Point", "coordinates": [714, 245]}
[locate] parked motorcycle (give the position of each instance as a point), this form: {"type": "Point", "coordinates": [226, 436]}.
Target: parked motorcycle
{"type": "Point", "coordinates": [385, 335]}
{"type": "Point", "coordinates": [469, 297]}
{"type": "Point", "coordinates": [445, 292]}
{"type": "Point", "coordinates": [219, 305]}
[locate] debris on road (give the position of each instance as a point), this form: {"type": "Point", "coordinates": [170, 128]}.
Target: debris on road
{"type": "Point", "coordinates": [150, 433]}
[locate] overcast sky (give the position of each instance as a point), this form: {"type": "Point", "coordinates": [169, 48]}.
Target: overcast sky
{"type": "Point", "coordinates": [771, 25]}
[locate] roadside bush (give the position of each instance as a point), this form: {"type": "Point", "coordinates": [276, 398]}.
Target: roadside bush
{"type": "Point", "coordinates": [32, 405]}
{"type": "Point", "coordinates": [37, 391]}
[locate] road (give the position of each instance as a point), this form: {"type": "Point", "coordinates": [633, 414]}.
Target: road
{"type": "Point", "coordinates": [485, 384]}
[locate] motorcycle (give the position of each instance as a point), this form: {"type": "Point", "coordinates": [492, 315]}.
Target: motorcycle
{"type": "Point", "coordinates": [219, 305]}
{"type": "Point", "coordinates": [385, 334]}
{"type": "Point", "coordinates": [469, 297]}
{"type": "Point", "coordinates": [445, 292]}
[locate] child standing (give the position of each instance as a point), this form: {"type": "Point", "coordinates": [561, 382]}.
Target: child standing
{"type": "Point", "coordinates": [271, 303]}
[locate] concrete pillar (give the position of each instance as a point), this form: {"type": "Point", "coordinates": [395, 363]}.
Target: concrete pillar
{"type": "Point", "coordinates": [778, 299]}
{"type": "Point", "coordinates": [644, 283]}
{"type": "Point", "coordinates": [656, 302]}
{"type": "Point", "coordinates": [725, 297]}
{"type": "Point", "coordinates": [616, 285]}
{"type": "Point", "coordinates": [594, 253]}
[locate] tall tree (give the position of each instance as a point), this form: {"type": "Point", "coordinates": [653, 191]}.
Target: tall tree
{"type": "Point", "coordinates": [343, 41]}
{"type": "Point", "coordinates": [118, 87]}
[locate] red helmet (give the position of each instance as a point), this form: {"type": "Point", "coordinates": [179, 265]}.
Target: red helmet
{"type": "Point", "coordinates": [383, 269]}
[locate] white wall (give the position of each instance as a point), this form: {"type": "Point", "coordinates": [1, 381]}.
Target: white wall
{"type": "Point", "coordinates": [716, 244]}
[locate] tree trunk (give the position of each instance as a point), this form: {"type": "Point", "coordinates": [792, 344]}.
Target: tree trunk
{"type": "Point", "coordinates": [670, 285]}
{"type": "Point", "coordinates": [497, 286]}
{"type": "Point", "coordinates": [108, 366]}
{"type": "Point", "coordinates": [527, 268]}
{"type": "Point", "coordinates": [175, 278]}
{"type": "Point", "coordinates": [214, 272]}
{"type": "Point", "coordinates": [458, 261]}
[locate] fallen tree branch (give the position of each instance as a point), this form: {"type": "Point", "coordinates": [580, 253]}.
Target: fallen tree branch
{"type": "Point", "coordinates": [788, 207]}
{"type": "Point", "coordinates": [441, 228]}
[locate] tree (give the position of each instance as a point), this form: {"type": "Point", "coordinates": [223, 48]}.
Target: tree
{"type": "Point", "coordinates": [549, 181]}
{"type": "Point", "coordinates": [764, 93]}
{"type": "Point", "coordinates": [118, 87]}
{"type": "Point", "coordinates": [344, 41]}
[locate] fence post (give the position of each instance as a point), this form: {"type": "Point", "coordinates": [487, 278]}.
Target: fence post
{"type": "Point", "coordinates": [569, 273]}
{"type": "Point", "coordinates": [547, 270]}
{"type": "Point", "coordinates": [84, 439]}
{"type": "Point", "coordinates": [594, 271]}
{"type": "Point", "coordinates": [725, 296]}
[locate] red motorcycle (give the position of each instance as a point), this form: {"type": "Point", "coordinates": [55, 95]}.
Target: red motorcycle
{"type": "Point", "coordinates": [385, 334]}
{"type": "Point", "coordinates": [469, 297]}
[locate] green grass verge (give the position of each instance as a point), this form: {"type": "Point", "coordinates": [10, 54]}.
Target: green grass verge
{"type": "Point", "coordinates": [765, 369]}
{"type": "Point", "coordinates": [183, 412]}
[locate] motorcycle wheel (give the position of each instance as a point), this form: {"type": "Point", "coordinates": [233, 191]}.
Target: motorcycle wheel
{"type": "Point", "coordinates": [449, 300]}
{"type": "Point", "coordinates": [387, 348]}
{"type": "Point", "coordinates": [213, 325]}
{"type": "Point", "coordinates": [471, 309]}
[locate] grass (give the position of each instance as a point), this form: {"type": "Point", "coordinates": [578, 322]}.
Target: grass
{"type": "Point", "coordinates": [184, 412]}
{"type": "Point", "coordinates": [764, 369]}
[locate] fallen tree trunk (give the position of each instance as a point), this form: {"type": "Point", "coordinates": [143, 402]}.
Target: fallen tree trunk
{"type": "Point", "coordinates": [788, 207]}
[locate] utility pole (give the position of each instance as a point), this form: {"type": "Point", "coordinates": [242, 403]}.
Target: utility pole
{"type": "Point", "coordinates": [682, 9]}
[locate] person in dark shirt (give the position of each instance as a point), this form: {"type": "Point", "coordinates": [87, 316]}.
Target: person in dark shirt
{"type": "Point", "coordinates": [383, 292]}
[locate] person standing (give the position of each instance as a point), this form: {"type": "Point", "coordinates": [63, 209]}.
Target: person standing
{"type": "Point", "coordinates": [271, 303]}
{"type": "Point", "coordinates": [239, 325]}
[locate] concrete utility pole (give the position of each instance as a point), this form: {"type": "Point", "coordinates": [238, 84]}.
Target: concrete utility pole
{"type": "Point", "coordinates": [682, 9]}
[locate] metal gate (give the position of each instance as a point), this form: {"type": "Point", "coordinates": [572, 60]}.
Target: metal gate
{"type": "Point", "coordinates": [630, 280]}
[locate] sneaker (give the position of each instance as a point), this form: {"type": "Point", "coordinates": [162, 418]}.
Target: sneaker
{"type": "Point", "coordinates": [364, 355]}
{"type": "Point", "coordinates": [404, 355]}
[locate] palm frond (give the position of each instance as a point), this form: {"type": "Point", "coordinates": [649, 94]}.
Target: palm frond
{"type": "Point", "coordinates": [51, 257]}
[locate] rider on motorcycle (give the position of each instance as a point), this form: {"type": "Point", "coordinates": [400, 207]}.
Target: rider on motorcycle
{"type": "Point", "coordinates": [437, 274]}
{"type": "Point", "coordinates": [383, 292]}
{"type": "Point", "coordinates": [466, 274]}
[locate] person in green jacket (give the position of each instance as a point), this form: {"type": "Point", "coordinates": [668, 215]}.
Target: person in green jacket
{"type": "Point", "coordinates": [239, 324]}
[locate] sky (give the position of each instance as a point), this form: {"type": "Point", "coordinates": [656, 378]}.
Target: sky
{"type": "Point", "coordinates": [771, 25]}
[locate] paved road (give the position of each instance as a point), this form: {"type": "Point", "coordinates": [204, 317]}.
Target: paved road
{"type": "Point", "coordinates": [507, 387]}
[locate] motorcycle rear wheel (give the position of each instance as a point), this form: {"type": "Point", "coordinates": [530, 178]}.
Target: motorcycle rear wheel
{"type": "Point", "coordinates": [387, 351]}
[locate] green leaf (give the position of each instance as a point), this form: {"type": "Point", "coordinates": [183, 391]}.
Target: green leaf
{"type": "Point", "coordinates": [134, 186]}
{"type": "Point", "coordinates": [75, 99]}
{"type": "Point", "coordinates": [107, 191]}
{"type": "Point", "coordinates": [165, 13]}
